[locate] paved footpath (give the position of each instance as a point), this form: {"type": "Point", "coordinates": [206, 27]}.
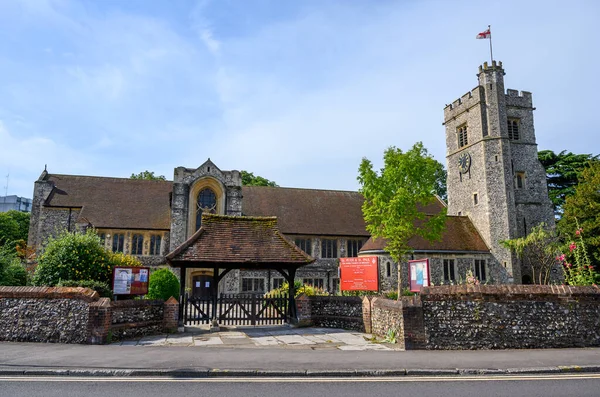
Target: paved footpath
{"type": "Point", "coordinates": [279, 351]}
{"type": "Point", "coordinates": [263, 337]}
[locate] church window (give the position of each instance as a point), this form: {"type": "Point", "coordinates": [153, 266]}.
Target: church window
{"type": "Point", "coordinates": [137, 244]}
{"type": "Point", "coordinates": [250, 284]}
{"type": "Point", "coordinates": [277, 282]}
{"type": "Point", "coordinates": [475, 199]}
{"type": "Point", "coordinates": [155, 241]}
{"type": "Point", "coordinates": [353, 247]}
{"type": "Point", "coordinates": [314, 282]}
{"type": "Point", "coordinates": [480, 270]}
{"type": "Point", "coordinates": [206, 202]}
{"type": "Point", "coordinates": [329, 248]}
{"type": "Point", "coordinates": [520, 180]}
{"type": "Point", "coordinates": [102, 239]}
{"type": "Point", "coordinates": [462, 136]}
{"type": "Point", "coordinates": [305, 244]}
{"type": "Point", "coordinates": [449, 271]}
{"type": "Point", "coordinates": [118, 242]}
{"type": "Point", "coordinates": [513, 129]}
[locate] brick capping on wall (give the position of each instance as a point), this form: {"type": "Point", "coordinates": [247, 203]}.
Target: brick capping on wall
{"type": "Point", "coordinates": [79, 315]}
{"type": "Point", "coordinates": [510, 292]}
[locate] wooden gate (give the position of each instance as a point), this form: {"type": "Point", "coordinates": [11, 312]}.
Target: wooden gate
{"type": "Point", "coordinates": [237, 309]}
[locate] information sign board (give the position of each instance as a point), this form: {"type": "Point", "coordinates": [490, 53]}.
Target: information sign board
{"type": "Point", "coordinates": [418, 274]}
{"type": "Point", "coordinates": [359, 274]}
{"type": "Point", "coordinates": [130, 280]}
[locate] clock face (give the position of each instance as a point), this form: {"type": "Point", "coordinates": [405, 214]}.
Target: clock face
{"type": "Point", "coordinates": [464, 162]}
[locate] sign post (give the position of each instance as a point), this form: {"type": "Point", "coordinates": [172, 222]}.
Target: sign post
{"type": "Point", "coordinates": [359, 274]}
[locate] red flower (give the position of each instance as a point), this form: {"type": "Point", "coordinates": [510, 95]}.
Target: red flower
{"type": "Point", "coordinates": [572, 247]}
{"type": "Point", "coordinates": [569, 265]}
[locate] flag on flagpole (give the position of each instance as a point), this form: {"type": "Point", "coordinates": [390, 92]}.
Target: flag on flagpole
{"type": "Point", "coordinates": [484, 35]}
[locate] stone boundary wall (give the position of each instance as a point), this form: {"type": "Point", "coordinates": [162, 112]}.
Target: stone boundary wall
{"type": "Point", "coordinates": [511, 316]}
{"type": "Point", "coordinates": [387, 315]}
{"type": "Point", "coordinates": [79, 315]}
{"type": "Point", "coordinates": [331, 312]}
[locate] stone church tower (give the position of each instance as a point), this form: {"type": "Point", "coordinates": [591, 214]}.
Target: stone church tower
{"type": "Point", "coordinates": [494, 175]}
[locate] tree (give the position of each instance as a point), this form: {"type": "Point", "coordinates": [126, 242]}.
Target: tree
{"type": "Point", "coordinates": [14, 226]}
{"type": "Point", "coordinates": [562, 174]}
{"type": "Point", "coordinates": [582, 213]}
{"type": "Point", "coordinates": [440, 181]}
{"type": "Point", "coordinates": [163, 285]}
{"type": "Point", "coordinates": [538, 251]}
{"type": "Point", "coordinates": [148, 175]}
{"type": "Point", "coordinates": [248, 179]}
{"type": "Point", "coordinates": [394, 199]}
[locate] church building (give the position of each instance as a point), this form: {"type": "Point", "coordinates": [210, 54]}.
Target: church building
{"type": "Point", "coordinates": [496, 191]}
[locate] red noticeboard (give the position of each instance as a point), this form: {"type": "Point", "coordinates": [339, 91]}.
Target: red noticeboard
{"type": "Point", "coordinates": [129, 280]}
{"type": "Point", "coordinates": [418, 274]}
{"type": "Point", "coordinates": [359, 274]}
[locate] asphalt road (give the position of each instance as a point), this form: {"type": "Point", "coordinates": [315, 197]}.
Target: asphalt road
{"type": "Point", "coordinates": [515, 386]}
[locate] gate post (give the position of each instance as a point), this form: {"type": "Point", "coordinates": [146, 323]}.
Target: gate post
{"type": "Point", "coordinates": [182, 298]}
{"type": "Point", "coordinates": [292, 300]}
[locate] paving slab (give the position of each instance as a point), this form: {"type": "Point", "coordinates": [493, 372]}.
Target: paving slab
{"type": "Point", "coordinates": [294, 340]}
{"type": "Point", "coordinates": [266, 341]}
{"type": "Point", "coordinates": [208, 341]}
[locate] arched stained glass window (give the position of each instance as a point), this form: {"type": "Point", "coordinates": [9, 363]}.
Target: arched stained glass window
{"type": "Point", "coordinates": [206, 202]}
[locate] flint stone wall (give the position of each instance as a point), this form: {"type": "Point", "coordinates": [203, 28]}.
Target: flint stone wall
{"type": "Point", "coordinates": [45, 314]}
{"type": "Point", "coordinates": [505, 317]}
{"type": "Point", "coordinates": [79, 315]}
{"type": "Point", "coordinates": [331, 312]}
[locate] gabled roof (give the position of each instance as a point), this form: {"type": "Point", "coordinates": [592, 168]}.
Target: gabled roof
{"type": "Point", "coordinates": [242, 240]}
{"type": "Point", "coordinates": [307, 211]}
{"type": "Point", "coordinates": [460, 235]}
{"type": "Point", "coordinates": [114, 202]}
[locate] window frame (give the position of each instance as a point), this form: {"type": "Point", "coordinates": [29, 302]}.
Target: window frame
{"type": "Point", "coordinates": [155, 243]}
{"type": "Point", "coordinates": [137, 244]}
{"type": "Point", "coordinates": [305, 244]}
{"type": "Point", "coordinates": [462, 135]}
{"type": "Point", "coordinates": [329, 249]}
{"type": "Point", "coordinates": [449, 269]}
{"type": "Point", "coordinates": [255, 284]}
{"type": "Point", "coordinates": [478, 266]}
{"type": "Point", "coordinates": [118, 239]}
{"type": "Point", "coordinates": [514, 129]}
{"type": "Point", "coordinates": [353, 246]}
{"type": "Point", "coordinates": [315, 282]}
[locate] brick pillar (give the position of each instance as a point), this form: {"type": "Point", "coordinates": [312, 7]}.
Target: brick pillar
{"type": "Point", "coordinates": [170, 315]}
{"type": "Point", "coordinates": [304, 311]}
{"type": "Point", "coordinates": [366, 311]}
{"type": "Point", "coordinates": [99, 321]}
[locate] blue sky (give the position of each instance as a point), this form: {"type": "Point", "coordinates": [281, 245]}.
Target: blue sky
{"type": "Point", "coordinates": [295, 91]}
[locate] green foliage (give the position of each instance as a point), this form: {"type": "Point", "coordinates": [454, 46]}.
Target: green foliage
{"type": "Point", "coordinates": [582, 211]}
{"type": "Point", "coordinates": [391, 295]}
{"type": "Point", "coordinates": [102, 288]}
{"type": "Point", "coordinates": [391, 336]}
{"type": "Point", "coordinates": [440, 181]}
{"type": "Point", "coordinates": [14, 226]}
{"type": "Point", "coordinates": [407, 292]}
{"type": "Point", "coordinates": [395, 196]}
{"type": "Point", "coordinates": [73, 256]}
{"type": "Point", "coordinates": [163, 285]}
{"type": "Point", "coordinates": [538, 251]}
{"type": "Point", "coordinates": [563, 171]}
{"type": "Point", "coordinates": [12, 272]}
{"type": "Point", "coordinates": [359, 293]}
{"type": "Point", "coordinates": [148, 175]}
{"type": "Point", "coordinates": [119, 259]}
{"type": "Point", "coordinates": [248, 179]}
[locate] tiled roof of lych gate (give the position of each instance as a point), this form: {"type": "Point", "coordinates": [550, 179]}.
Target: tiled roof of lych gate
{"type": "Point", "coordinates": [307, 211]}
{"type": "Point", "coordinates": [114, 202]}
{"type": "Point", "coordinates": [239, 240]}
{"type": "Point", "coordinates": [460, 235]}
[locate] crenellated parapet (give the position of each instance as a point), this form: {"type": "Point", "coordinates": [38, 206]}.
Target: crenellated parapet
{"type": "Point", "coordinates": [464, 103]}
{"type": "Point", "coordinates": [522, 99]}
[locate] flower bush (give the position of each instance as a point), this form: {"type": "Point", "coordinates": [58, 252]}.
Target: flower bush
{"type": "Point", "coordinates": [470, 279]}
{"type": "Point", "coordinates": [73, 256]}
{"type": "Point", "coordinates": [576, 264]}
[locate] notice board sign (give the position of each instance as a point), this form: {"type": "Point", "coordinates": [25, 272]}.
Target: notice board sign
{"type": "Point", "coordinates": [359, 274]}
{"type": "Point", "coordinates": [418, 274]}
{"type": "Point", "coordinates": [129, 280]}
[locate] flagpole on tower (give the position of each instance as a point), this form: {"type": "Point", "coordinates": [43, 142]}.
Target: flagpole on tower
{"type": "Point", "coordinates": [491, 53]}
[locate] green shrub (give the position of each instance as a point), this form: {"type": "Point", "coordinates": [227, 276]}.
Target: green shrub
{"type": "Point", "coordinates": [73, 256]}
{"type": "Point", "coordinates": [102, 288]}
{"type": "Point", "coordinates": [391, 295]}
{"type": "Point", "coordinates": [308, 290]}
{"type": "Point", "coordinates": [12, 272]}
{"type": "Point", "coordinates": [163, 285]}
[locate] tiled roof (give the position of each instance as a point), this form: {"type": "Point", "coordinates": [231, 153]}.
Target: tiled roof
{"type": "Point", "coordinates": [114, 202]}
{"type": "Point", "coordinates": [307, 211]}
{"type": "Point", "coordinates": [459, 235]}
{"type": "Point", "coordinates": [238, 240]}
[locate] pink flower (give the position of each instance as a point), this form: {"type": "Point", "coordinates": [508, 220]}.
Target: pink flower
{"type": "Point", "coordinates": [569, 265]}
{"type": "Point", "coordinates": [572, 246]}
{"type": "Point", "coordinates": [561, 258]}
{"type": "Point", "coordinates": [578, 231]}
{"type": "Point", "coordinates": [591, 267]}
